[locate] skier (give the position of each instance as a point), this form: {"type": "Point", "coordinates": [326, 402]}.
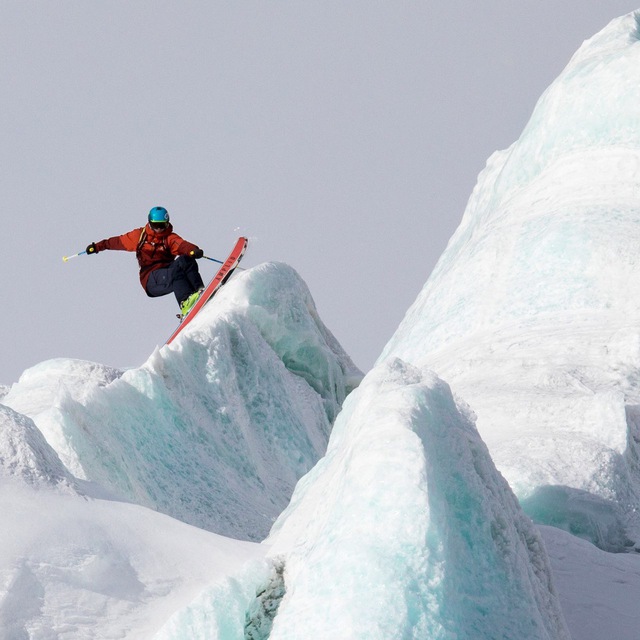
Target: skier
{"type": "Point", "coordinates": [167, 262]}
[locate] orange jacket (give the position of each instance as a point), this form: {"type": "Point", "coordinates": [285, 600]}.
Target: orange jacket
{"type": "Point", "coordinates": [154, 249]}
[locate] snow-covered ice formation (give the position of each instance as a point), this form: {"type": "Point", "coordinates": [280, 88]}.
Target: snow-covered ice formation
{"type": "Point", "coordinates": [215, 429]}
{"type": "Point", "coordinates": [76, 568]}
{"type": "Point", "coordinates": [408, 520]}
{"type": "Point", "coordinates": [25, 454]}
{"type": "Point", "coordinates": [532, 314]}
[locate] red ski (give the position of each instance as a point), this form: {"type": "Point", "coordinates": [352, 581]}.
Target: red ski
{"type": "Point", "coordinates": [218, 280]}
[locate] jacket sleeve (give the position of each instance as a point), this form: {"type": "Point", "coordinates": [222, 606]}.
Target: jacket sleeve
{"type": "Point", "coordinates": [180, 247]}
{"type": "Point", "coordinates": [125, 242]}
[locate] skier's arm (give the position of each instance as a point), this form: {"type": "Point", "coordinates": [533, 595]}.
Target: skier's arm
{"type": "Point", "coordinates": [126, 242]}
{"type": "Point", "coordinates": [180, 247]}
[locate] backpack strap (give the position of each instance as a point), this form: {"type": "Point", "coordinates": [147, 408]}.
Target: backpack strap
{"type": "Point", "coordinates": [141, 240]}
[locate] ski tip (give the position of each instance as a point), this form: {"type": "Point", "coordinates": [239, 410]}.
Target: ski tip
{"type": "Point", "coordinates": [65, 259]}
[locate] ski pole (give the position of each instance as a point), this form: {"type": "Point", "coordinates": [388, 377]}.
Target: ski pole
{"type": "Point", "coordinates": [220, 262]}
{"type": "Point", "coordinates": [75, 255]}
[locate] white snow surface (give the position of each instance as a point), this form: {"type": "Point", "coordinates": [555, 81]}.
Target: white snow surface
{"type": "Point", "coordinates": [73, 568]}
{"type": "Point", "coordinates": [532, 314]}
{"type": "Point", "coordinates": [598, 591]}
{"type": "Point", "coordinates": [509, 395]}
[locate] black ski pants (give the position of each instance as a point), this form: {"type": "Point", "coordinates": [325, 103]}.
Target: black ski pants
{"type": "Point", "coordinates": [181, 278]}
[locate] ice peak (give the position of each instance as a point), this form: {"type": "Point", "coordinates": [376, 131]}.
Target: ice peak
{"type": "Point", "coordinates": [408, 504]}
{"type": "Point", "coordinates": [533, 314]}
{"type": "Point", "coordinates": [214, 429]}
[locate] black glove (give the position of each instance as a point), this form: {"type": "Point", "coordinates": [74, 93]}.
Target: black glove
{"type": "Point", "coordinates": [197, 253]}
{"type": "Point", "coordinates": [92, 248]}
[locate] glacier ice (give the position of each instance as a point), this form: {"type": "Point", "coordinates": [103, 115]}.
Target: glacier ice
{"type": "Point", "coordinates": [532, 313]}
{"type": "Point", "coordinates": [230, 609]}
{"type": "Point", "coordinates": [214, 429]}
{"type": "Point", "coordinates": [405, 529]}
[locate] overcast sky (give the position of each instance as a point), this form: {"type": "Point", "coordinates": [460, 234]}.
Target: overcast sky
{"type": "Point", "coordinates": [344, 138]}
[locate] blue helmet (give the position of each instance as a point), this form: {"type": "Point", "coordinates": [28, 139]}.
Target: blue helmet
{"type": "Point", "coordinates": [159, 214]}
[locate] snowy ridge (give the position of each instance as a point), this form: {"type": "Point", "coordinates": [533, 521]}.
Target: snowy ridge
{"type": "Point", "coordinates": [407, 517]}
{"type": "Point", "coordinates": [532, 313]}
{"type": "Point", "coordinates": [278, 302]}
{"type": "Point", "coordinates": [215, 429]}
{"type": "Point", "coordinates": [46, 384]}
{"type": "Point", "coordinates": [26, 455]}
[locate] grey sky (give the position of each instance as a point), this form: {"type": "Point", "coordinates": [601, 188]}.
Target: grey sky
{"type": "Point", "coordinates": [344, 138]}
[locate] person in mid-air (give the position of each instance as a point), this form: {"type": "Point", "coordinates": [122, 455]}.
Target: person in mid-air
{"type": "Point", "coordinates": [167, 262]}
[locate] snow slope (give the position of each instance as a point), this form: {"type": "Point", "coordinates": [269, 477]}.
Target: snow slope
{"type": "Point", "coordinates": [598, 591]}
{"type": "Point", "coordinates": [533, 314]}
{"type": "Point", "coordinates": [74, 568]}
{"type": "Point", "coordinates": [215, 429]}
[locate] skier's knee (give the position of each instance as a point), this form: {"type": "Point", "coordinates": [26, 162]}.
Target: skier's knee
{"type": "Point", "coordinates": [184, 263]}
